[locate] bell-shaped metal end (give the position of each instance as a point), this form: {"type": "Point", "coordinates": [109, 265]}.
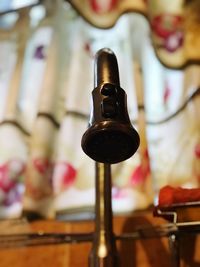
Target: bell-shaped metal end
{"type": "Point", "coordinates": [110, 142]}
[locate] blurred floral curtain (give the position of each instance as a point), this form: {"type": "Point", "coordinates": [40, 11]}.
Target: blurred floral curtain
{"type": "Point", "coordinates": [175, 27]}
{"type": "Point", "coordinates": [46, 79]}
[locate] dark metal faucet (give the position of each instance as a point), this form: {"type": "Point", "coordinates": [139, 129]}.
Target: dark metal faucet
{"type": "Point", "coordinates": [110, 138]}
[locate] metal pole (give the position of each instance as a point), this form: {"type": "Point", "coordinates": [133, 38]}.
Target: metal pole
{"type": "Point", "coordinates": [104, 252]}
{"type": "Point", "coordinates": [174, 249]}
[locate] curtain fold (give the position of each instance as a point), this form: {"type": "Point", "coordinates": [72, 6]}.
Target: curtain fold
{"type": "Point", "coordinates": [174, 28]}
{"type": "Point", "coordinates": [14, 152]}
{"type": "Point", "coordinates": [39, 194]}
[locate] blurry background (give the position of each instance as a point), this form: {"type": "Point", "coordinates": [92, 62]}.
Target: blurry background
{"type": "Point", "coordinates": [47, 53]}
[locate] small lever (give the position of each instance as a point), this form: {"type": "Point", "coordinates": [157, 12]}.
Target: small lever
{"type": "Point", "coordinates": [109, 102]}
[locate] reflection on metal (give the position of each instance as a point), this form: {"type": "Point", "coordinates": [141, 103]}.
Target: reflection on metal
{"type": "Point", "coordinates": [104, 252]}
{"type": "Point", "coordinates": [174, 248]}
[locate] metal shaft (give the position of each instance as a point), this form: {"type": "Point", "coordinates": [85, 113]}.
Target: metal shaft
{"type": "Point", "coordinates": [104, 252]}
{"type": "Point", "coordinates": [175, 250]}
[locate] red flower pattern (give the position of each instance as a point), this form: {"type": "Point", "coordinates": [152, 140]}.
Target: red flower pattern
{"type": "Point", "coordinates": [168, 27]}
{"type": "Point", "coordinates": [10, 184]}
{"type": "Point", "coordinates": [197, 151]}
{"type": "Point", "coordinates": [141, 172]}
{"type": "Point", "coordinates": [66, 173]}
{"type": "Point", "coordinates": [99, 7]}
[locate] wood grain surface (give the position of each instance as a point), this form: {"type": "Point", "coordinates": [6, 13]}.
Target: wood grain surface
{"type": "Point", "coordinates": [142, 253]}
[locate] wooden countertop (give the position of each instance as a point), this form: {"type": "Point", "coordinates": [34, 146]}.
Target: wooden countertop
{"type": "Point", "coordinates": [142, 253]}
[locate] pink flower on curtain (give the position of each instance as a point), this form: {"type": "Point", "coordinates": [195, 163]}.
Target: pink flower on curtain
{"type": "Point", "coordinates": [45, 167]}
{"type": "Point", "coordinates": [64, 176]}
{"type": "Point", "coordinates": [174, 41]}
{"type": "Point", "coordinates": [168, 27]}
{"type": "Point", "coordinates": [197, 151]}
{"type": "Point", "coordinates": [67, 172]}
{"type": "Point", "coordinates": [142, 171]}
{"type": "Point", "coordinates": [41, 165]}
{"type": "Point", "coordinates": [99, 6]}
{"type": "Point", "coordinates": [40, 168]}
{"type": "Point", "coordinates": [88, 50]}
{"type": "Point", "coordinates": [197, 162]}
{"type": "Point", "coordinates": [166, 94]}
{"type": "Point", "coordinates": [119, 193]}
{"type": "Point", "coordinates": [11, 181]}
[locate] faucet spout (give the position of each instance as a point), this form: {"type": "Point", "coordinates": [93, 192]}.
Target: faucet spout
{"type": "Point", "coordinates": [110, 137]}
{"type": "Point", "coordinates": [106, 68]}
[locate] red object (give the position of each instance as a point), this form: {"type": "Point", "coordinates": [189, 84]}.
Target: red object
{"type": "Point", "coordinates": [99, 7]}
{"type": "Point", "coordinates": [174, 41]}
{"type": "Point", "coordinates": [197, 151]}
{"type": "Point", "coordinates": [142, 171]}
{"type": "Point", "coordinates": [167, 94]}
{"type": "Point", "coordinates": [41, 164]}
{"type": "Point", "coordinates": [69, 174]}
{"type": "Point", "coordinates": [65, 173]}
{"type": "Point", "coordinates": [140, 174]}
{"type": "Point", "coordinates": [165, 25]}
{"type": "Point", "coordinates": [6, 184]}
{"type": "Point", "coordinates": [10, 173]}
{"type": "Point", "coordinates": [169, 195]}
